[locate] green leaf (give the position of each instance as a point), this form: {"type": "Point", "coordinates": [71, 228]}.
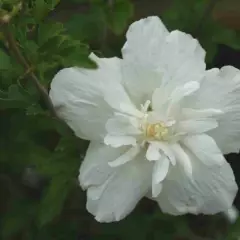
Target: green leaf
{"type": "Point", "coordinates": [14, 93]}
{"type": "Point", "coordinates": [119, 14]}
{"type": "Point", "coordinates": [48, 31]}
{"type": "Point", "coordinates": [78, 58]}
{"type": "Point", "coordinates": [57, 49]}
{"type": "Point", "coordinates": [53, 200]}
{"type": "Point", "coordinates": [41, 10]}
{"type": "Point", "coordinates": [5, 62]}
{"type": "Point", "coordinates": [15, 97]}
{"type": "Point", "coordinates": [31, 49]}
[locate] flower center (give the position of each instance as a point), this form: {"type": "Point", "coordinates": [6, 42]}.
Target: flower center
{"type": "Point", "coordinates": [157, 131]}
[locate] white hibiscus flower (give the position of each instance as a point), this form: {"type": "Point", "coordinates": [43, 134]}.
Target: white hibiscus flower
{"type": "Point", "coordinates": [159, 124]}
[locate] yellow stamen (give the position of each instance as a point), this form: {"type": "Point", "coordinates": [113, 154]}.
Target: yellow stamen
{"type": "Point", "coordinates": [157, 131]}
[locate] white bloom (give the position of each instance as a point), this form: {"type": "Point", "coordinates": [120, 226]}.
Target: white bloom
{"type": "Point", "coordinates": [159, 124]}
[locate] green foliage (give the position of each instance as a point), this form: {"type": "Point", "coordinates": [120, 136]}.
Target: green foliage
{"type": "Point", "coordinates": [88, 26]}
{"type": "Point", "coordinates": [53, 200]}
{"type": "Point", "coordinates": [100, 20]}
{"type": "Point", "coordinates": [233, 231]}
{"type": "Point", "coordinates": [119, 13]}
{"type": "Point", "coordinates": [39, 156]}
{"type": "Point", "coordinates": [196, 20]}
{"type": "Point", "coordinates": [5, 61]}
{"type": "Point", "coordinates": [42, 8]}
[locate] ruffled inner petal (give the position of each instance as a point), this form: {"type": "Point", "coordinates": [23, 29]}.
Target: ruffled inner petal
{"type": "Point", "coordinates": [126, 157]}
{"type": "Point", "coordinates": [183, 159]}
{"type": "Point", "coordinates": [119, 141]}
{"type": "Point", "coordinates": [153, 153]}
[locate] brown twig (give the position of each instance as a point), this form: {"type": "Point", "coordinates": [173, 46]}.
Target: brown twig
{"type": "Point", "coordinates": [13, 46]}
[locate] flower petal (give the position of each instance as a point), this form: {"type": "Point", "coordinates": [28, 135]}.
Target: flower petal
{"type": "Point", "coordinates": [123, 125]}
{"type": "Point", "coordinates": [118, 141]}
{"type": "Point", "coordinates": [185, 90]}
{"type": "Point", "coordinates": [122, 191]}
{"type": "Point", "coordinates": [156, 189]}
{"type": "Point", "coordinates": [189, 113]}
{"type": "Point", "coordinates": [153, 153]}
{"type": "Point", "coordinates": [205, 148]}
{"type": "Point", "coordinates": [168, 152]}
{"type": "Point", "coordinates": [126, 157]}
{"type": "Point", "coordinates": [141, 57]}
{"type": "Point", "coordinates": [95, 169]}
{"type": "Point", "coordinates": [181, 53]}
{"type": "Point", "coordinates": [82, 99]}
{"type": "Point", "coordinates": [211, 190]}
{"type": "Point", "coordinates": [160, 99]}
{"type": "Point", "coordinates": [160, 170]}
{"type": "Point", "coordinates": [178, 94]}
{"type": "Point", "coordinates": [182, 60]}
{"type": "Point", "coordinates": [140, 81]}
{"type": "Point", "coordinates": [225, 84]}
{"type": "Point", "coordinates": [164, 59]}
{"type": "Point", "coordinates": [144, 41]}
{"type": "Point", "coordinates": [196, 126]}
{"type": "Point", "coordinates": [182, 158]}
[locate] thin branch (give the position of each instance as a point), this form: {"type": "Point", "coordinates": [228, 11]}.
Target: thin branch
{"type": "Point", "coordinates": [13, 46]}
{"type": "Point", "coordinates": [207, 12]}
